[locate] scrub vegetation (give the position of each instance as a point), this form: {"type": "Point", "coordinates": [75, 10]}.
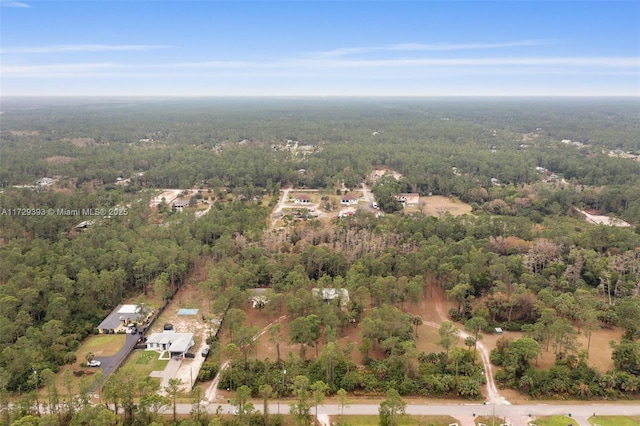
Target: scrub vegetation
{"type": "Point", "coordinates": [80, 233]}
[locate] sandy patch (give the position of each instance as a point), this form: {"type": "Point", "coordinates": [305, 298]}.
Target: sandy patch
{"type": "Point", "coordinates": [438, 205]}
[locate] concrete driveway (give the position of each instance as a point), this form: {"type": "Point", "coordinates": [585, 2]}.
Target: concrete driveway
{"type": "Point", "coordinates": [169, 372]}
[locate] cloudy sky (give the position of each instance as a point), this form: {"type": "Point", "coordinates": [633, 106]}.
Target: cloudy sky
{"type": "Point", "coordinates": [319, 48]}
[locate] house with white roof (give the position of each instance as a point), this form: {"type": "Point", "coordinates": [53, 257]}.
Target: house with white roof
{"type": "Point", "coordinates": [121, 319]}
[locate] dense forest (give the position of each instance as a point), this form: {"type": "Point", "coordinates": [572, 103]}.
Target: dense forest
{"type": "Point", "coordinates": [524, 259]}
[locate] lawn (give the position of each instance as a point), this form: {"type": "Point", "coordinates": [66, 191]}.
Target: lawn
{"type": "Point", "coordinates": [614, 421]}
{"type": "Point", "coordinates": [402, 421]}
{"type": "Point", "coordinates": [147, 361]}
{"type": "Point", "coordinates": [98, 345]}
{"type": "Point", "coordinates": [554, 421]}
{"type": "Point", "coordinates": [101, 345]}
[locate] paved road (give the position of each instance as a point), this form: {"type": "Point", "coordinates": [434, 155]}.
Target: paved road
{"type": "Point", "coordinates": [109, 363]}
{"type": "Point", "coordinates": [517, 415]}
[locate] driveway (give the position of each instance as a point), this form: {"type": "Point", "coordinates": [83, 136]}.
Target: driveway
{"type": "Point", "coordinates": [109, 363]}
{"type": "Point", "coordinates": [169, 372]}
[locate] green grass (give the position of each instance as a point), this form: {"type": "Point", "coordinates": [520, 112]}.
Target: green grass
{"type": "Point", "coordinates": [554, 421]}
{"type": "Point", "coordinates": [102, 345]}
{"type": "Point", "coordinates": [614, 421]}
{"type": "Point", "coordinates": [402, 421]}
{"type": "Point", "coordinates": [147, 361]}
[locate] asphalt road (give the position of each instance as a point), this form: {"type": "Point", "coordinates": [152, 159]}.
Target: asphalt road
{"type": "Point", "coordinates": [515, 414]}
{"type": "Point", "coordinates": [109, 363]}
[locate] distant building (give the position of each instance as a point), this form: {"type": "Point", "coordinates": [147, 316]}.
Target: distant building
{"type": "Point", "coordinates": [179, 205]}
{"type": "Point", "coordinates": [409, 198]}
{"type": "Point", "coordinates": [329, 294]}
{"type": "Point", "coordinates": [85, 224]}
{"type": "Point", "coordinates": [45, 181]}
{"type": "Point", "coordinates": [348, 199]}
{"type": "Point", "coordinates": [302, 199]}
{"type": "Point", "coordinates": [346, 213]}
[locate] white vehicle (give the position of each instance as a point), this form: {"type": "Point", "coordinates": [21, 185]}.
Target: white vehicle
{"type": "Point", "coordinates": [94, 363]}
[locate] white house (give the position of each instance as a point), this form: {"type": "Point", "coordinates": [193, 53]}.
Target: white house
{"type": "Point", "coordinates": [177, 344]}
{"type": "Point", "coordinates": [329, 294]}
{"type": "Point", "coordinates": [348, 199]}
{"type": "Point", "coordinates": [303, 199]}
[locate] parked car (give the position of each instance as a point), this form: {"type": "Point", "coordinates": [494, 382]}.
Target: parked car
{"type": "Point", "coordinates": [94, 363]}
{"type": "Point", "coordinates": [189, 355]}
{"type": "Point", "coordinates": [205, 352]}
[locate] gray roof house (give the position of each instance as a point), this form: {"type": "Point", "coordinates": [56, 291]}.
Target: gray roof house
{"type": "Point", "coordinates": [179, 204]}
{"type": "Point", "coordinates": [120, 318]}
{"type": "Point", "coordinates": [177, 344]}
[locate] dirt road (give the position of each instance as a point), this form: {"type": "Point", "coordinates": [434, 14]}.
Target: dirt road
{"type": "Point", "coordinates": [493, 396]}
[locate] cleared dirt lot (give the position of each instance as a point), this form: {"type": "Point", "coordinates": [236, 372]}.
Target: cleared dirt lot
{"type": "Point", "coordinates": [438, 205]}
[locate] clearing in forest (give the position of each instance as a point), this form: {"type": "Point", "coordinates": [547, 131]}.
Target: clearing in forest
{"type": "Point", "coordinates": [438, 205]}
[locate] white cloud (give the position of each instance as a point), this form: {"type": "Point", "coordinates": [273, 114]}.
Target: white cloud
{"type": "Point", "coordinates": [81, 48]}
{"type": "Point", "coordinates": [13, 3]}
{"type": "Point", "coordinates": [431, 47]}
{"type": "Point", "coordinates": [57, 70]}
{"type": "Point", "coordinates": [606, 62]}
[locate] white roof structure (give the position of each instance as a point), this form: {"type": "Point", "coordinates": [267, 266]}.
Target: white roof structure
{"type": "Point", "coordinates": [128, 309]}
{"type": "Point", "coordinates": [121, 315]}
{"type": "Point", "coordinates": [332, 293]}
{"type": "Point", "coordinates": [174, 342]}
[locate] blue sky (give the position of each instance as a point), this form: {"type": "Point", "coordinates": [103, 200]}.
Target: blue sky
{"type": "Point", "coordinates": [324, 48]}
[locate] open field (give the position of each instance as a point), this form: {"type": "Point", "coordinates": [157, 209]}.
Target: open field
{"type": "Point", "coordinates": [437, 205]}
{"type": "Point", "coordinates": [100, 345]}
{"type": "Point", "coordinates": [599, 352]}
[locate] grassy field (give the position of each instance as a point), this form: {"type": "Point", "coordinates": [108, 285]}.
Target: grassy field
{"type": "Point", "coordinates": [147, 361]}
{"type": "Point", "coordinates": [614, 421]}
{"type": "Point", "coordinates": [101, 345]}
{"type": "Point", "coordinates": [402, 421]}
{"type": "Point", "coordinates": [555, 421]}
